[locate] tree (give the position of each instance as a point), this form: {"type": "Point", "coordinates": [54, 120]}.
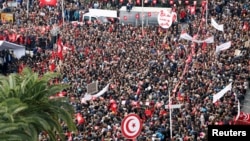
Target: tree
{"type": "Point", "coordinates": [26, 109]}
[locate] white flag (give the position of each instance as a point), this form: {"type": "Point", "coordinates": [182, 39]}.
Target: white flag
{"type": "Point", "coordinates": [224, 46]}
{"type": "Point", "coordinates": [216, 25]}
{"type": "Point", "coordinates": [222, 92]}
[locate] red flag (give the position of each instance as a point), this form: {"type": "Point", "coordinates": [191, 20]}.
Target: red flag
{"type": "Point", "coordinates": [148, 112]}
{"type": "Point", "coordinates": [60, 49]}
{"type": "Point", "coordinates": [162, 112]}
{"type": "Point", "coordinates": [192, 10]}
{"type": "Point", "coordinates": [52, 67]}
{"type": "Point", "coordinates": [113, 107]}
{"type": "Point", "coordinates": [204, 47]}
{"type": "Point", "coordinates": [48, 2]}
{"type": "Point", "coordinates": [244, 117]}
{"type": "Point", "coordinates": [79, 118]}
{"type": "Point", "coordinates": [179, 96]}
{"type": "Point", "coordinates": [245, 26]}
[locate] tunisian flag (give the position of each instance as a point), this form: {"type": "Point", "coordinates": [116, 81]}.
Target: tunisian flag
{"type": "Point", "coordinates": [48, 2]}
{"type": "Point", "coordinates": [244, 119]}
{"type": "Point", "coordinates": [60, 49]}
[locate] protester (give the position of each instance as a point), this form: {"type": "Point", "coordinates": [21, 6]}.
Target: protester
{"type": "Point", "coordinates": [142, 69]}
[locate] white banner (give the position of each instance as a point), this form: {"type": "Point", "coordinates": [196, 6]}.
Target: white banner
{"type": "Point", "coordinates": [165, 18]}
{"type": "Point", "coordinates": [105, 89]}
{"type": "Point", "coordinates": [175, 106]}
{"type": "Point", "coordinates": [88, 97]}
{"type": "Point", "coordinates": [216, 25]}
{"type": "Point", "coordinates": [222, 92]}
{"type": "Point", "coordinates": [186, 36]}
{"type": "Point", "coordinates": [209, 40]}
{"type": "Point", "coordinates": [190, 38]}
{"type": "Point", "coordinates": [224, 46]}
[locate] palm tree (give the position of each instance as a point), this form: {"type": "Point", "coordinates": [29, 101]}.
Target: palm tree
{"type": "Point", "coordinates": [26, 109]}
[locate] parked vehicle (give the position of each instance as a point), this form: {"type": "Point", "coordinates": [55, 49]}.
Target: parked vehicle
{"type": "Point", "coordinates": [100, 15]}
{"type": "Point", "coordinates": [139, 15]}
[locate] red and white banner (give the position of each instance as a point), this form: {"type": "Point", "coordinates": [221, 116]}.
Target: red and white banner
{"type": "Point", "coordinates": [165, 18]}
{"type": "Point", "coordinates": [222, 47]}
{"type": "Point", "coordinates": [222, 92]}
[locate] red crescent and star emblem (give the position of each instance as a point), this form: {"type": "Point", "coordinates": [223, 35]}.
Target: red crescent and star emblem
{"type": "Point", "coordinates": [131, 126]}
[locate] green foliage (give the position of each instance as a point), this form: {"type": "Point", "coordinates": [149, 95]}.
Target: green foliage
{"type": "Point", "coordinates": [26, 109]}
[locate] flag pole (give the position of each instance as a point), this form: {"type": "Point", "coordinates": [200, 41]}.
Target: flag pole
{"type": "Point", "coordinates": [206, 11]}
{"type": "Point", "coordinates": [28, 8]}
{"type": "Point", "coordinates": [63, 12]}
{"type": "Point", "coordinates": [170, 113]}
{"type": "Point", "coordinates": [142, 21]}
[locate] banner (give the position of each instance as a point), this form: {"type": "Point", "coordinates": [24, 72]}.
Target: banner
{"type": "Point", "coordinates": [190, 38]}
{"type": "Point", "coordinates": [222, 92]}
{"type": "Point", "coordinates": [105, 89]}
{"type": "Point", "coordinates": [209, 40]}
{"type": "Point", "coordinates": [222, 47]}
{"type": "Point", "coordinates": [165, 18]}
{"type": "Point", "coordinates": [216, 25]}
{"type": "Point", "coordinates": [88, 97]}
{"type": "Point", "coordinates": [175, 106]}
{"type": "Point", "coordinates": [7, 17]}
{"type": "Point", "coordinates": [48, 2]}
{"type": "Point", "coordinates": [186, 37]}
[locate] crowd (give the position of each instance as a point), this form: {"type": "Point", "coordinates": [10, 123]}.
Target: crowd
{"type": "Point", "coordinates": [141, 69]}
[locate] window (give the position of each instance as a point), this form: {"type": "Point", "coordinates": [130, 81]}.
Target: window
{"type": "Point", "coordinates": [86, 18]}
{"type": "Point", "coordinates": [93, 19]}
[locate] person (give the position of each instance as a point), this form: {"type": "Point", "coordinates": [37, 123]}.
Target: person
{"type": "Point", "coordinates": [129, 6]}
